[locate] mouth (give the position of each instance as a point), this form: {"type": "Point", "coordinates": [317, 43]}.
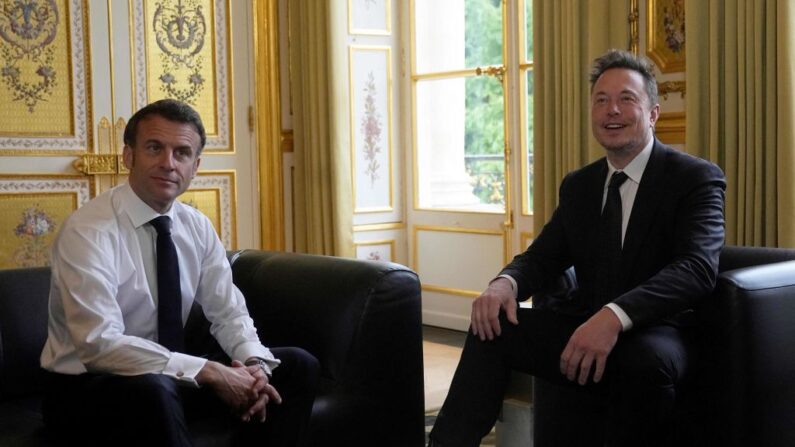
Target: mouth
{"type": "Point", "coordinates": [614, 126]}
{"type": "Point", "coordinates": [165, 180]}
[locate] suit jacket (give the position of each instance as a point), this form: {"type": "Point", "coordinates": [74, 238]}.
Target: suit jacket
{"type": "Point", "coordinates": [671, 246]}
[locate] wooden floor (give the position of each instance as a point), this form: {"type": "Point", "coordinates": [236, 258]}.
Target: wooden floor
{"type": "Point", "coordinates": [441, 350]}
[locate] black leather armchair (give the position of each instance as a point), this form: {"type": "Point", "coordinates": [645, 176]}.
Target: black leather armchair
{"type": "Point", "coordinates": [362, 320]}
{"type": "Point", "coordinates": [743, 393]}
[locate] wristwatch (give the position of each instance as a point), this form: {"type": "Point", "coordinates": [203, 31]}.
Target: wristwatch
{"type": "Point", "coordinates": [259, 361]}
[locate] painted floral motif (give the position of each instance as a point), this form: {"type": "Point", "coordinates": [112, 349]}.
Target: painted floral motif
{"type": "Point", "coordinates": [27, 28]}
{"type": "Point", "coordinates": [374, 256]}
{"type": "Point", "coordinates": [33, 229]}
{"type": "Point", "coordinates": [674, 25]}
{"type": "Point", "coordinates": [180, 31]}
{"type": "Point", "coordinates": [371, 129]}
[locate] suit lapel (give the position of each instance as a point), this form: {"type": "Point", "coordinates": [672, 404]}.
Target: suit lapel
{"type": "Point", "coordinates": [647, 201]}
{"type": "Point", "coordinates": [592, 204]}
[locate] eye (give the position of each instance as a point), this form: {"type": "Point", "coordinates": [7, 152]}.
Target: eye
{"type": "Point", "coordinates": [183, 153]}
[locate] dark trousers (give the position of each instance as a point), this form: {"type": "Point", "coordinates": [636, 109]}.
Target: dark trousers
{"type": "Point", "coordinates": [639, 383]}
{"type": "Point", "coordinates": [153, 410]}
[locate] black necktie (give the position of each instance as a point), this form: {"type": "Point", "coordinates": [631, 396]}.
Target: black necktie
{"type": "Point", "coordinates": [609, 268]}
{"type": "Point", "coordinates": [169, 308]}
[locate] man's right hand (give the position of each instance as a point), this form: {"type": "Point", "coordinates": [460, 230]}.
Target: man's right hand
{"type": "Point", "coordinates": [233, 384]}
{"type": "Point", "coordinates": [486, 309]}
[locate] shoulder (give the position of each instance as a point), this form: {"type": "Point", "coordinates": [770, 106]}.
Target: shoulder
{"type": "Point", "coordinates": [99, 215]}
{"type": "Point", "coordinates": [679, 166]}
{"type": "Point", "coordinates": [92, 231]}
{"type": "Point", "coordinates": [585, 176]}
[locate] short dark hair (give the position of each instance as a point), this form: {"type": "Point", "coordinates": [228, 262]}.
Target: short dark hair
{"type": "Point", "coordinates": [625, 59]}
{"type": "Point", "coordinates": [170, 109]}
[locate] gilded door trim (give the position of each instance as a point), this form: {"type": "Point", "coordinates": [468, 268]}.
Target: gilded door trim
{"type": "Point", "coordinates": [268, 123]}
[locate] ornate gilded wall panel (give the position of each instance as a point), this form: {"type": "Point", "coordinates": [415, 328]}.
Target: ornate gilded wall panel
{"type": "Point", "coordinates": [44, 78]}
{"type": "Point", "coordinates": [181, 50]}
{"type": "Point", "coordinates": [213, 193]}
{"type": "Point", "coordinates": [32, 210]}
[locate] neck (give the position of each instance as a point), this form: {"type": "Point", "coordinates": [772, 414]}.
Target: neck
{"type": "Point", "coordinates": [620, 158]}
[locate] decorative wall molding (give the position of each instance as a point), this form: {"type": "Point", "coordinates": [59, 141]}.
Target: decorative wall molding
{"type": "Point", "coordinates": [32, 208]}
{"type": "Point", "coordinates": [74, 23]}
{"type": "Point", "coordinates": [214, 194]}
{"type": "Point", "coordinates": [158, 57]}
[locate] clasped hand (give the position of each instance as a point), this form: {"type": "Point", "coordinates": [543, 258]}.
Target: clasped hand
{"type": "Point", "coordinates": [245, 389]}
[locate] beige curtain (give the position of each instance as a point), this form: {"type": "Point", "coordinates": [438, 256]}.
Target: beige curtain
{"type": "Point", "coordinates": [322, 186]}
{"type": "Point", "coordinates": [568, 35]}
{"type": "Point", "coordinates": [740, 111]}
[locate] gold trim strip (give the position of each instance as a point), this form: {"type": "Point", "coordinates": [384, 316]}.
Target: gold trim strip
{"type": "Point", "coordinates": [446, 74]}
{"type": "Point", "coordinates": [670, 128]}
{"type": "Point", "coordinates": [268, 129]}
{"type": "Point", "coordinates": [634, 31]}
{"type": "Point", "coordinates": [111, 62]}
{"type": "Point", "coordinates": [379, 227]}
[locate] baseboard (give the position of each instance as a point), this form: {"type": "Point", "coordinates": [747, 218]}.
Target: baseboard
{"type": "Point", "coordinates": [445, 320]}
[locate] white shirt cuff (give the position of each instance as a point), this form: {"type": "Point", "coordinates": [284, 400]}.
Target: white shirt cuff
{"type": "Point", "coordinates": [514, 286]}
{"type": "Point", "coordinates": [626, 323]}
{"type": "Point", "coordinates": [184, 368]}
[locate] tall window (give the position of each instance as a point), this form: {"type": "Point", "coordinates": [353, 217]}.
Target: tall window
{"type": "Point", "coordinates": [462, 116]}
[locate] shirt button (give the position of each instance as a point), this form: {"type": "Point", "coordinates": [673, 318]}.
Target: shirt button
{"type": "Point", "coordinates": [180, 374]}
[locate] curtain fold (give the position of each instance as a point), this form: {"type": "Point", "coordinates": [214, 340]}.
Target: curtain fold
{"type": "Point", "coordinates": [569, 35]}
{"type": "Point", "coordinates": [740, 111]}
{"type": "Point", "coordinates": [322, 207]}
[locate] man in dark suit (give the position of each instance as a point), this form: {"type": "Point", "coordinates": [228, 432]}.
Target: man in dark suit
{"type": "Point", "coordinates": [643, 229]}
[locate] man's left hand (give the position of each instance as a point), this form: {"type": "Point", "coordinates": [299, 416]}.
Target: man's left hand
{"type": "Point", "coordinates": [590, 345]}
{"type": "Point", "coordinates": [266, 393]}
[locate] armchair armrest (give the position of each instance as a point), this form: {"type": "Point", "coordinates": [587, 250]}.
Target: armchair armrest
{"type": "Point", "coordinates": [361, 319]}
{"type": "Point", "coordinates": [758, 309]}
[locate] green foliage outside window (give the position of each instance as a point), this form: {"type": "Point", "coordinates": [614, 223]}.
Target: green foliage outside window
{"type": "Point", "coordinates": [485, 108]}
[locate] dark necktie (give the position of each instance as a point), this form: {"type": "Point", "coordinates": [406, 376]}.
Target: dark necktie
{"type": "Point", "coordinates": [609, 268]}
{"type": "Point", "coordinates": [169, 308]}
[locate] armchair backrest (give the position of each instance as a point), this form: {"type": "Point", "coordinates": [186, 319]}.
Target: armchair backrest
{"type": "Point", "coordinates": [24, 294]}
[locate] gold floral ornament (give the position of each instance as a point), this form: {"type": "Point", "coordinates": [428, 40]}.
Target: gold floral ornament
{"type": "Point", "coordinates": [27, 28]}
{"type": "Point", "coordinates": [33, 229]}
{"type": "Point", "coordinates": [179, 31]}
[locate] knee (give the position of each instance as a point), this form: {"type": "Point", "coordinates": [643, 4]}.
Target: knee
{"type": "Point", "coordinates": [299, 364]}
{"type": "Point", "coordinates": [649, 367]}
{"type": "Point", "coordinates": [156, 390]}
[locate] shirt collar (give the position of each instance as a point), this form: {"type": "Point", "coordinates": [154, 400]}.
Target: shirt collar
{"type": "Point", "coordinates": [140, 213]}
{"type": "Point", "coordinates": [637, 166]}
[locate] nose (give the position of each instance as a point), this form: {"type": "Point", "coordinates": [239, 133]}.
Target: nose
{"type": "Point", "coordinates": [612, 108]}
{"type": "Point", "coordinates": [167, 159]}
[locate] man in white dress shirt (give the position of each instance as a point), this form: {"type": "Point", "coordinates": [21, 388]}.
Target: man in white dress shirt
{"type": "Point", "coordinates": [111, 380]}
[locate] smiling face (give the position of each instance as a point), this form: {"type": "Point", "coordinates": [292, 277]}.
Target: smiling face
{"type": "Point", "coordinates": [622, 117]}
{"type": "Point", "coordinates": [163, 160]}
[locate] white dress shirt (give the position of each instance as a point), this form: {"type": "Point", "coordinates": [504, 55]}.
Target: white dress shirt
{"type": "Point", "coordinates": [103, 292]}
{"type": "Point", "coordinates": [628, 191]}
